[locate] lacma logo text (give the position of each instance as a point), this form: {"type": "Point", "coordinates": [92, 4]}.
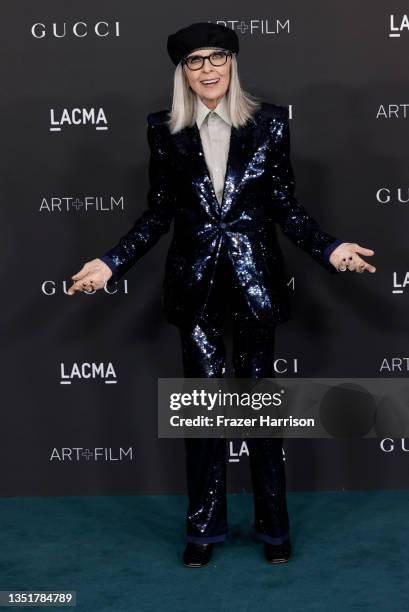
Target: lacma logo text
{"type": "Point", "coordinates": [78, 116]}
{"type": "Point", "coordinates": [398, 25]}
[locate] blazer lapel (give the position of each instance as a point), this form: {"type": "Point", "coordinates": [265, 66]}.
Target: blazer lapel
{"type": "Point", "coordinates": [243, 145]}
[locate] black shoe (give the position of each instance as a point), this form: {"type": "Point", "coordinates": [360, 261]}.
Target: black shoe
{"type": "Point", "coordinates": [196, 555]}
{"type": "Point", "coordinates": [277, 553]}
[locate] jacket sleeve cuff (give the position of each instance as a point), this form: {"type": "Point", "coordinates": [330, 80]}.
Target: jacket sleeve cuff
{"type": "Point", "coordinates": [110, 263]}
{"type": "Point", "coordinates": [331, 247]}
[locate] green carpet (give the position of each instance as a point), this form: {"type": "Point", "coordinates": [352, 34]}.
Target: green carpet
{"type": "Point", "coordinates": [123, 553]}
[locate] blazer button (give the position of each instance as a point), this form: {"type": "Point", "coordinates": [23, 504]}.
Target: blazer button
{"type": "Point", "coordinates": [223, 225]}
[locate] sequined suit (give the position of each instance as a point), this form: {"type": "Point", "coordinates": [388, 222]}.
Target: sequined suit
{"type": "Point", "coordinates": [258, 194]}
{"type": "Point", "coordinates": [225, 259]}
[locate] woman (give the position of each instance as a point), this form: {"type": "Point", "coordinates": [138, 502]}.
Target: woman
{"type": "Point", "coordinates": [220, 169]}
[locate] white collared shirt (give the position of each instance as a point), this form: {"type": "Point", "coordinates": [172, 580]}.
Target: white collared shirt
{"type": "Point", "coordinates": [214, 127]}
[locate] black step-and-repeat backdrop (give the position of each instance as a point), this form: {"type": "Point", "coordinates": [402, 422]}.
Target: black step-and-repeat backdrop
{"type": "Point", "coordinates": [79, 374]}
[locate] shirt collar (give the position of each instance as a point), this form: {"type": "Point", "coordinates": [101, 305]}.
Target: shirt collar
{"type": "Point", "coordinates": [202, 111]}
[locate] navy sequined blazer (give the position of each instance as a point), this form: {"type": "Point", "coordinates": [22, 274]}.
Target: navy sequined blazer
{"type": "Point", "coordinates": [258, 194]}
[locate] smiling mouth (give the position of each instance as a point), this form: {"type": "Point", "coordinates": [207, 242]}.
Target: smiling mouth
{"type": "Point", "coordinates": [210, 82]}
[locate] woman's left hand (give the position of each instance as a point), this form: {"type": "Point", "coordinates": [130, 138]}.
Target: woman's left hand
{"type": "Point", "coordinates": [345, 257]}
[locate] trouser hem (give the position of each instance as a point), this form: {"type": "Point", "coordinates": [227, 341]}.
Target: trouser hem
{"type": "Point", "coordinates": [264, 537]}
{"type": "Point", "coordinates": [206, 539]}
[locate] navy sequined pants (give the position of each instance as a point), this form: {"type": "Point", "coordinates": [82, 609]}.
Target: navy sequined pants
{"type": "Point", "coordinates": [204, 356]}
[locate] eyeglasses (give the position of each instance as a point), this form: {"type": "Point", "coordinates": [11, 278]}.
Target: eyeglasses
{"type": "Point", "coordinates": [196, 62]}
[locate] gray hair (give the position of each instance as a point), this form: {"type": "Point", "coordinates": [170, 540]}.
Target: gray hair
{"type": "Point", "coordinates": [241, 105]}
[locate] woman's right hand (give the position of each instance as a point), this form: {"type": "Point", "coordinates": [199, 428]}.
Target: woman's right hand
{"type": "Point", "coordinates": [93, 275]}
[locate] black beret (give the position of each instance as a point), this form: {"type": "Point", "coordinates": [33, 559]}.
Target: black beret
{"type": "Point", "coordinates": [201, 35]}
